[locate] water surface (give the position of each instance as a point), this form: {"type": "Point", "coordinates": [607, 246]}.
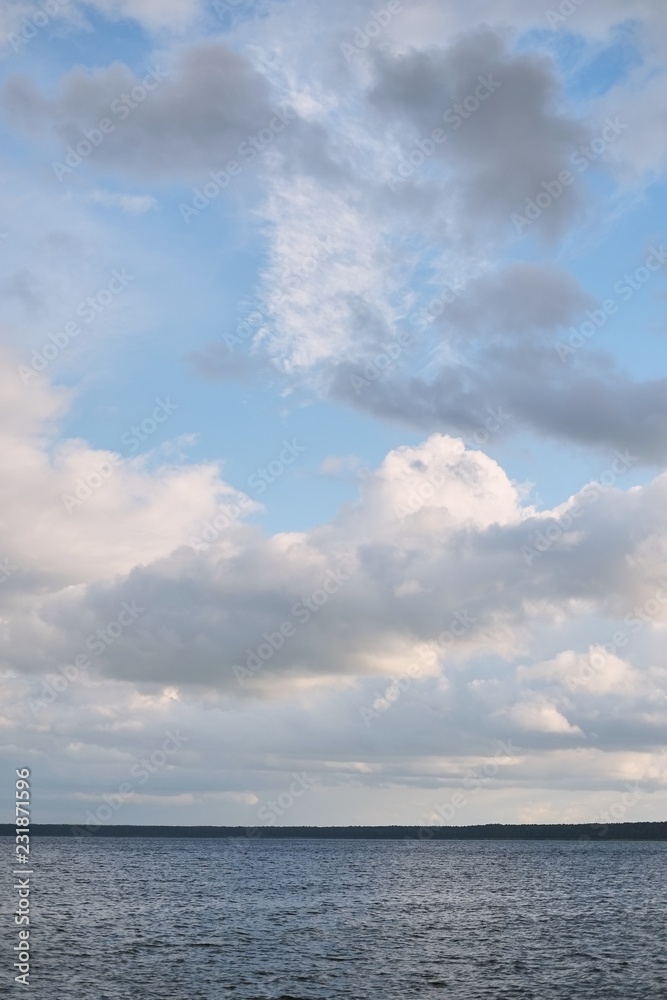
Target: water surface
{"type": "Point", "coordinates": [119, 919]}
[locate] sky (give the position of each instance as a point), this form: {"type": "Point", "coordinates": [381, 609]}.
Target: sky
{"type": "Point", "coordinates": [334, 411]}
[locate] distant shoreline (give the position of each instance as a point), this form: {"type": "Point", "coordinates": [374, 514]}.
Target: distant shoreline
{"type": "Point", "coordinates": [656, 831]}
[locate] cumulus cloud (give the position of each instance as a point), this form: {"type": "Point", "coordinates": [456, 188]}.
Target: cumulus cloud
{"type": "Point", "coordinates": [73, 515]}
{"type": "Point", "coordinates": [539, 716]}
{"type": "Point", "coordinates": [438, 561]}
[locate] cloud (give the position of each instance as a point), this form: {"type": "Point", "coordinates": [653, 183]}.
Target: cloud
{"type": "Point", "coordinates": [337, 288]}
{"type": "Point", "coordinates": [613, 412]}
{"type": "Point", "coordinates": [394, 649]}
{"type": "Point", "coordinates": [506, 130]}
{"type": "Point", "coordinates": [500, 345]}
{"type": "Point", "coordinates": [153, 14]}
{"type": "Point", "coordinates": [340, 465]}
{"type": "Point", "coordinates": [175, 120]}
{"type": "Point", "coordinates": [438, 562]}
{"type": "Point", "coordinates": [416, 752]}
{"type": "Point", "coordinates": [134, 204]}
{"type": "Point", "coordinates": [489, 330]}
{"type": "Point", "coordinates": [426, 570]}
{"type": "Point", "coordinates": [540, 716]}
{"type": "Point", "coordinates": [594, 671]}
{"type": "Point", "coordinates": [21, 20]}
{"type": "Point", "coordinates": [73, 514]}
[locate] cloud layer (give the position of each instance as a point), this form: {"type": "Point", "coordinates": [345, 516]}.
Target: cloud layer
{"type": "Point", "coordinates": [439, 225]}
{"type": "Point", "coordinates": [436, 597]}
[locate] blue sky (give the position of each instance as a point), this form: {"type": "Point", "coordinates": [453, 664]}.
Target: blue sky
{"type": "Point", "coordinates": [335, 262]}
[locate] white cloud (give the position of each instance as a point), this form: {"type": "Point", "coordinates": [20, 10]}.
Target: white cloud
{"type": "Point", "coordinates": [340, 465]}
{"type": "Point", "coordinates": [428, 568]}
{"type": "Point", "coordinates": [134, 204]}
{"type": "Point", "coordinates": [539, 716]}
{"type": "Point", "coordinates": [175, 15]}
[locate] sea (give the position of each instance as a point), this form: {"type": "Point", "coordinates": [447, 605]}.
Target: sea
{"type": "Point", "coordinates": [260, 919]}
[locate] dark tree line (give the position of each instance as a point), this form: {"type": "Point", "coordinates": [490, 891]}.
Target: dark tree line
{"type": "Point", "coordinates": [490, 831]}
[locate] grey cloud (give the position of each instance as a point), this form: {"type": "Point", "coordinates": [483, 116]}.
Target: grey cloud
{"type": "Point", "coordinates": [601, 412]}
{"type": "Point", "coordinates": [520, 300]}
{"type": "Point", "coordinates": [503, 327]}
{"type": "Point", "coordinates": [217, 362]}
{"type": "Point", "coordinates": [507, 327]}
{"type": "Point", "coordinates": [197, 112]}
{"type": "Point", "coordinates": [500, 154]}
{"type": "Point", "coordinates": [428, 741]}
{"type": "Point", "coordinates": [207, 610]}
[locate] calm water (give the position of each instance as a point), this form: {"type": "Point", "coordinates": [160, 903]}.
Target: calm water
{"type": "Point", "coordinates": [184, 920]}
